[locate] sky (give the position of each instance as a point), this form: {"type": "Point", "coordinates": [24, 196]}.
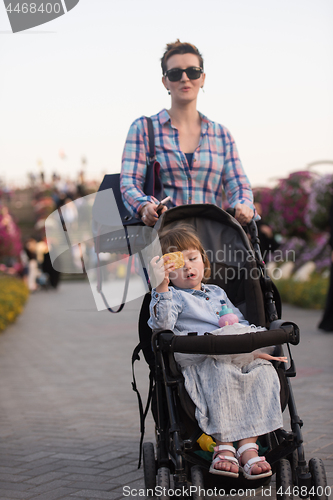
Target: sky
{"type": "Point", "coordinates": [76, 83]}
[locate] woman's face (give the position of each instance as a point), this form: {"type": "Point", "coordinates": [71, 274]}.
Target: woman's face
{"type": "Point", "coordinates": [184, 90]}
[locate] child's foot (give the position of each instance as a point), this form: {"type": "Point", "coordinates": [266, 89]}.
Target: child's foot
{"type": "Point", "coordinates": [224, 464]}
{"type": "Point", "coordinates": [253, 466]}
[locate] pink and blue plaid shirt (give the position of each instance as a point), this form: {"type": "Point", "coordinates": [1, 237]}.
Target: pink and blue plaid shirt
{"type": "Point", "coordinates": [215, 166]}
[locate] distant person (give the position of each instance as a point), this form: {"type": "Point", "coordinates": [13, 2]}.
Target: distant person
{"type": "Point", "coordinates": [54, 177]}
{"type": "Point", "coordinates": [326, 323]}
{"type": "Point", "coordinates": [198, 157]}
{"type": "Point", "coordinates": [24, 261]}
{"type": "Point", "coordinates": [54, 275]}
{"type": "Point", "coordinates": [80, 187]}
{"type": "Point", "coordinates": [30, 249]}
{"type": "Point", "coordinates": [45, 265]}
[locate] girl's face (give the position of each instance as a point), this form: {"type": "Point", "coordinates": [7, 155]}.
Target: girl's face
{"type": "Point", "coordinates": [184, 90]}
{"type": "Point", "coordinates": [191, 275]}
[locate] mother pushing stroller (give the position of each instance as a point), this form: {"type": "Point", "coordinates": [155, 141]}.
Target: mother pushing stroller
{"type": "Point", "coordinates": [199, 160]}
{"type": "Point", "coordinates": [198, 157]}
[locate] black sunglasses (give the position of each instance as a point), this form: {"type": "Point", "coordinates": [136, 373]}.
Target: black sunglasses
{"type": "Point", "coordinates": [175, 74]}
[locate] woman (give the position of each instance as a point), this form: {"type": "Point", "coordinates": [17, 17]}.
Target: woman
{"type": "Point", "coordinates": [198, 157]}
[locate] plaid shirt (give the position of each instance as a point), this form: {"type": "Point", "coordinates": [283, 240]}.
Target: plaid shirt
{"type": "Point", "coordinates": [215, 166]}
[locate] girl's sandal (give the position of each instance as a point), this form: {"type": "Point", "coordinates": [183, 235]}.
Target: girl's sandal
{"type": "Point", "coordinates": [247, 468]}
{"type": "Point", "coordinates": [217, 457]}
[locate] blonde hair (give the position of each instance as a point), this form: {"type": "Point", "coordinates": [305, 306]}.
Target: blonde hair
{"type": "Point", "coordinates": [182, 238]}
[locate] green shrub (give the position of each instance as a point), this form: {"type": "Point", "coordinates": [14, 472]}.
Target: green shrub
{"type": "Point", "coordinates": [309, 294]}
{"type": "Point", "coordinates": [13, 295]}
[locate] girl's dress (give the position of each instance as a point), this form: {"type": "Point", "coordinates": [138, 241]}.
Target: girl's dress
{"type": "Point", "coordinates": [233, 401]}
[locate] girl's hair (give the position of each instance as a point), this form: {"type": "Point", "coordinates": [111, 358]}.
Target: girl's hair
{"type": "Point", "coordinates": [179, 48]}
{"type": "Point", "coordinates": [182, 238]}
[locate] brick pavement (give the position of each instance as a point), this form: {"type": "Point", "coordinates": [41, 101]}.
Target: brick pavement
{"type": "Point", "coordinates": [69, 424]}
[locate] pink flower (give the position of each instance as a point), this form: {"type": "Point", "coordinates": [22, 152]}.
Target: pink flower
{"type": "Point", "coordinates": [10, 236]}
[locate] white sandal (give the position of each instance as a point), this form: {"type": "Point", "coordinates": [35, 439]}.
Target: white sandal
{"type": "Point", "coordinates": [217, 457]}
{"type": "Point", "coordinates": [247, 468]}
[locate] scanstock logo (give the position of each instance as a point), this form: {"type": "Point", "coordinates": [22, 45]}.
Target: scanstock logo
{"type": "Point", "coordinates": [24, 15]}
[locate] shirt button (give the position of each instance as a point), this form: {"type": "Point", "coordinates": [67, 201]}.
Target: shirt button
{"type": "Point", "coordinates": [207, 298]}
{"type": "Point", "coordinates": [190, 198]}
{"type": "Point", "coordinates": [194, 159]}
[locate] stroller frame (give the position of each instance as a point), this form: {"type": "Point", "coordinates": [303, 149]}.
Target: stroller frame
{"type": "Point", "coordinates": [176, 450]}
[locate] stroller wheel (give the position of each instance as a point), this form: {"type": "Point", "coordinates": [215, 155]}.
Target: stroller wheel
{"type": "Point", "coordinates": [197, 482]}
{"type": "Point", "coordinates": [319, 488]}
{"type": "Point", "coordinates": [149, 468]}
{"type": "Point", "coordinates": [163, 481]}
{"type": "Point", "coordinates": [284, 480]}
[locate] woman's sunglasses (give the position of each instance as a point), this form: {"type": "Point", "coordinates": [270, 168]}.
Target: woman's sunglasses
{"type": "Point", "coordinates": [175, 74]}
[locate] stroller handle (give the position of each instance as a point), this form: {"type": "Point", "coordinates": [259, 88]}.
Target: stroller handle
{"type": "Point", "coordinates": [228, 344]}
{"type": "Point", "coordinates": [253, 232]}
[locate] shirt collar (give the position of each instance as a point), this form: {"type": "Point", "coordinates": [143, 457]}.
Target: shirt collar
{"type": "Point", "coordinates": [164, 117]}
{"type": "Point", "coordinates": [204, 289]}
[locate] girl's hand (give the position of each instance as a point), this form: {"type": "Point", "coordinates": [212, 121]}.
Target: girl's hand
{"type": "Point", "coordinates": [161, 271]}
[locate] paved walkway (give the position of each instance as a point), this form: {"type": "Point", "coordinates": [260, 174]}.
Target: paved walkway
{"type": "Point", "coordinates": [69, 423]}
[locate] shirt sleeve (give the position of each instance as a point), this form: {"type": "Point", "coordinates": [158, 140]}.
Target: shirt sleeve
{"type": "Point", "coordinates": [164, 310]}
{"type": "Point", "coordinates": [134, 167]}
{"type": "Point", "coordinates": [236, 184]}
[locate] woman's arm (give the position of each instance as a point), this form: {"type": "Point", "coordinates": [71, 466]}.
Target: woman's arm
{"type": "Point", "coordinates": [134, 167]}
{"type": "Point", "coordinates": [236, 183]}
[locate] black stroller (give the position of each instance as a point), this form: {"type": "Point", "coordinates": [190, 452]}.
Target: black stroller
{"type": "Point", "coordinates": [179, 466]}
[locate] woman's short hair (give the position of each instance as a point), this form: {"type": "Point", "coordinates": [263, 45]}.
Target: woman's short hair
{"type": "Point", "coordinates": [182, 238]}
{"type": "Point", "coordinates": [178, 47]}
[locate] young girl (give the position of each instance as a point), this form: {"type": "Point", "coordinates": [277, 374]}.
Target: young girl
{"type": "Point", "coordinates": [233, 403]}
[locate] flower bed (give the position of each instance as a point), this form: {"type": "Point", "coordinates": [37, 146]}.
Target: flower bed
{"type": "Point", "coordinates": [320, 200]}
{"type": "Point", "coordinates": [309, 294]}
{"type": "Point", "coordinates": [13, 295]}
{"type": "Point", "coordinates": [10, 237]}
{"type": "Point", "coordinates": [290, 205]}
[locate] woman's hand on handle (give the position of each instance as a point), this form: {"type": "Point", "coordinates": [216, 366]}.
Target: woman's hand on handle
{"type": "Point", "coordinates": [149, 215]}
{"type": "Point", "coordinates": [244, 214]}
